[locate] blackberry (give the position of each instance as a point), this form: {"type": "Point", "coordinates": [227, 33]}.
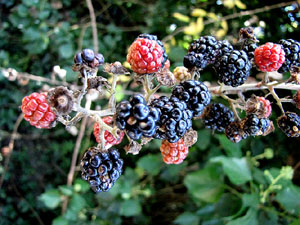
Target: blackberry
{"type": "Point", "coordinates": [88, 55]}
{"type": "Point", "coordinates": [194, 93]}
{"type": "Point", "coordinates": [234, 132]}
{"type": "Point", "coordinates": [292, 54]}
{"type": "Point", "coordinates": [289, 123]}
{"type": "Point", "coordinates": [249, 48]}
{"type": "Point", "coordinates": [136, 117]}
{"type": "Point", "coordinates": [233, 68]}
{"type": "Point", "coordinates": [175, 118]}
{"type": "Point", "coordinates": [217, 116]}
{"type": "Point", "coordinates": [225, 47]}
{"type": "Point", "coordinates": [154, 38]}
{"type": "Point", "coordinates": [101, 169]}
{"type": "Point", "coordinates": [202, 52]}
{"type": "Point", "coordinates": [254, 126]}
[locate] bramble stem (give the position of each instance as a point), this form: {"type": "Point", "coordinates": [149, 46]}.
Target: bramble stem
{"type": "Point", "coordinates": [275, 96]}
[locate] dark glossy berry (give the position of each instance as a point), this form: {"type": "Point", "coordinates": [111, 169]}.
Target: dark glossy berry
{"type": "Point", "coordinates": [289, 123]}
{"type": "Point", "coordinates": [99, 57]}
{"type": "Point", "coordinates": [217, 117]}
{"type": "Point", "coordinates": [233, 68]}
{"type": "Point", "coordinates": [88, 55]}
{"type": "Point", "coordinates": [101, 169]}
{"type": "Point", "coordinates": [194, 94]}
{"type": "Point", "coordinates": [292, 54]}
{"type": "Point", "coordinates": [78, 58]}
{"type": "Point", "coordinates": [254, 126]}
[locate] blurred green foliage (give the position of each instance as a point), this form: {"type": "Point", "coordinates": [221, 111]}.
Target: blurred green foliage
{"type": "Point", "coordinates": [219, 183]}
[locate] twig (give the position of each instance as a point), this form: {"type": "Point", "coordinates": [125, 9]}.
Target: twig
{"type": "Point", "coordinates": [94, 25]}
{"type": "Point", "coordinates": [233, 16]}
{"type": "Point", "coordinates": [75, 155]}
{"type": "Point", "coordinates": [11, 147]}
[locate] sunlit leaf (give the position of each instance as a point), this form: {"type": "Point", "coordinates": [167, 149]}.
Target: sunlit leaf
{"type": "Point", "coordinates": [199, 13]}
{"type": "Point", "coordinates": [181, 17]}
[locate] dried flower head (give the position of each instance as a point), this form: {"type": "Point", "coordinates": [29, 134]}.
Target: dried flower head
{"type": "Point", "coordinates": [61, 100]}
{"type": "Point", "coordinates": [97, 83]}
{"type": "Point", "coordinates": [165, 77]}
{"type": "Point", "coordinates": [259, 106]}
{"type": "Point", "coordinates": [133, 147]}
{"type": "Point", "coordinates": [115, 68]}
{"type": "Point", "coordinates": [247, 33]}
{"type": "Point", "coordinates": [295, 74]}
{"type": "Point", "coordinates": [190, 138]}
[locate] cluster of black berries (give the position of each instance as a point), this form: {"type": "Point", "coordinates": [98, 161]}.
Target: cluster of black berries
{"type": "Point", "coordinates": [289, 123]}
{"type": "Point", "coordinates": [292, 54]}
{"type": "Point", "coordinates": [101, 169]}
{"type": "Point", "coordinates": [154, 38]}
{"type": "Point", "coordinates": [232, 66]}
{"type": "Point", "coordinates": [136, 117]}
{"type": "Point", "coordinates": [88, 57]}
{"type": "Point", "coordinates": [175, 118]}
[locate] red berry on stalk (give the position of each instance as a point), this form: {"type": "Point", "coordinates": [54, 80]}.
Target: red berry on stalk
{"type": "Point", "coordinates": [109, 138]}
{"type": "Point", "coordinates": [269, 57]}
{"type": "Point", "coordinates": [174, 153]}
{"type": "Point", "coordinates": [145, 56]}
{"type": "Point", "coordinates": [37, 110]}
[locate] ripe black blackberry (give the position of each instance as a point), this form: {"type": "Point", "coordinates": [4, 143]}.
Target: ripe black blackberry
{"type": "Point", "coordinates": [292, 54]}
{"type": "Point", "coordinates": [136, 117]}
{"type": "Point", "coordinates": [217, 117]}
{"type": "Point", "coordinates": [249, 48]}
{"type": "Point", "coordinates": [289, 123]}
{"type": "Point", "coordinates": [175, 119]}
{"type": "Point", "coordinates": [154, 38]}
{"type": "Point", "coordinates": [101, 169]}
{"type": "Point", "coordinates": [202, 52]}
{"type": "Point", "coordinates": [254, 126]}
{"type": "Point", "coordinates": [234, 132]}
{"type": "Point", "coordinates": [233, 68]}
{"type": "Point", "coordinates": [194, 93]}
{"type": "Point", "coordinates": [225, 47]}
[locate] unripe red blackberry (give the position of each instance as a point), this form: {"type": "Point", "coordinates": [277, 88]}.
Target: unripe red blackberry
{"type": "Point", "coordinates": [146, 54]}
{"type": "Point", "coordinates": [37, 111]}
{"type": "Point", "coordinates": [289, 123]}
{"type": "Point", "coordinates": [269, 57]}
{"type": "Point", "coordinates": [173, 153]}
{"type": "Point", "coordinates": [101, 169]}
{"type": "Point", "coordinates": [109, 138]}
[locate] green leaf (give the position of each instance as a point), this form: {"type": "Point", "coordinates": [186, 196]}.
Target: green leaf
{"type": "Point", "coordinates": [231, 149]}
{"type": "Point", "coordinates": [203, 141]}
{"type": "Point", "coordinates": [249, 219]}
{"type": "Point", "coordinates": [289, 197]}
{"type": "Point", "coordinates": [60, 221]}
{"type": "Point", "coordinates": [187, 218]}
{"type": "Point", "coordinates": [131, 207]}
{"type": "Point", "coordinates": [66, 190]}
{"type": "Point", "coordinates": [66, 50]}
{"type": "Point", "coordinates": [230, 202]}
{"type": "Point", "coordinates": [205, 184]}
{"type": "Point", "coordinates": [81, 186]}
{"type": "Point", "coordinates": [296, 222]}
{"type": "Point", "coordinates": [77, 203]}
{"type": "Point", "coordinates": [150, 163]}
{"type": "Point", "coordinates": [50, 198]}
{"type": "Point", "coordinates": [237, 169]}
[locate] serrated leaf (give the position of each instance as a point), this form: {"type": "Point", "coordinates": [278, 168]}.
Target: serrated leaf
{"type": "Point", "coordinates": [231, 149]}
{"type": "Point", "coordinates": [205, 185]}
{"type": "Point", "coordinates": [130, 207]}
{"type": "Point", "coordinates": [199, 13]}
{"type": "Point", "coordinates": [150, 163]}
{"type": "Point", "coordinates": [237, 169]}
{"type": "Point", "coordinates": [249, 219]}
{"type": "Point", "coordinates": [187, 218]}
{"type": "Point", "coordinates": [50, 198]}
{"type": "Point", "coordinates": [181, 17]}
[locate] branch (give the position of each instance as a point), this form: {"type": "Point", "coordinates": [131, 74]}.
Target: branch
{"type": "Point", "coordinates": [11, 147]}
{"type": "Point", "coordinates": [232, 16]}
{"type": "Point", "coordinates": [94, 25]}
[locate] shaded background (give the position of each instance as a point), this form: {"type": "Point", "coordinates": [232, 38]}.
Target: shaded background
{"type": "Point", "coordinates": [219, 182]}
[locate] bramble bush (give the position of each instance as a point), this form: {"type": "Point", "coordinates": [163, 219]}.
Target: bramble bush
{"type": "Point", "coordinates": [253, 181]}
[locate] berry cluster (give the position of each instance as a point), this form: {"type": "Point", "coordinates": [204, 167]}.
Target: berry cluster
{"type": "Point", "coordinates": [101, 169]}
{"type": "Point", "coordinates": [89, 57]}
{"type": "Point", "coordinates": [37, 111]}
{"type": "Point", "coordinates": [136, 117]}
{"type": "Point", "coordinates": [289, 123]}
{"type": "Point", "coordinates": [109, 138]}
